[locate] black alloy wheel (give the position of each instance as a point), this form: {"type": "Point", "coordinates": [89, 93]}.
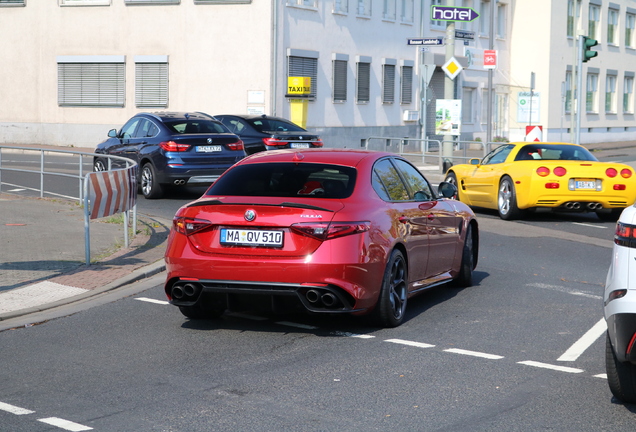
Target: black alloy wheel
{"type": "Point", "coordinates": [465, 276]}
{"type": "Point", "coordinates": [391, 306]}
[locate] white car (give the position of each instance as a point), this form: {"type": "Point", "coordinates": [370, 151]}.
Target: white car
{"type": "Point", "coordinates": [620, 310]}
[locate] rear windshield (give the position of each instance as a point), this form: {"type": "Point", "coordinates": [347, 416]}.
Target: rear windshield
{"type": "Point", "coordinates": [194, 126]}
{"type": "Point", "coordinates": [286, 180]}
{"type": "Point", "coordinates": [273, 125]}
{"type": "Point", "coordinates": [554, 152]}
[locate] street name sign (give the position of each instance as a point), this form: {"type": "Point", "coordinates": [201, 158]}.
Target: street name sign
{"type": "Point", "coordinates": [452, 13]}
{"type": "Point", "coordinates": [464, 34]}
{"type": "Point", "coordinates": [426, 41]}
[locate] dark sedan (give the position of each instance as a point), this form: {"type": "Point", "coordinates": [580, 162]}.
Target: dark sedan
{"type": "Point", "coordinates": [173, 148]}
{"type": "Point", "coordinates": [263, 132]}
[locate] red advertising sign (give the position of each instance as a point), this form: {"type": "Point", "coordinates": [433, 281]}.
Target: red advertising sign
{"type": "Point", "coordinates": [490, 59]}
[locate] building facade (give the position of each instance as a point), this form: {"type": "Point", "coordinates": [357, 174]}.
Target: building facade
{"type": "Point", "coordinates": [73, 69]}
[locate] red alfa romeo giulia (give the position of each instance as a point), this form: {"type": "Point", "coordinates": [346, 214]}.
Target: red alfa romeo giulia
{"type": "Point", "coordinates": [319, 230]}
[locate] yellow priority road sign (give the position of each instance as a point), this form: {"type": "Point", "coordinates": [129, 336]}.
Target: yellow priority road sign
{"type": "Point", "coordinates": [452, 68]}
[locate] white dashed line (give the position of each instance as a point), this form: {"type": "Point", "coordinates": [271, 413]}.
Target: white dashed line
{"type": "Point", "coordinates": [14, 409]}
{"type": "Point", "coordinates": [474, 353]}
{"type": "Point", "coordinates": [585, 342]}
{"type": "Point", "coordinates": [589, 225]}
{"type": "Point", "coordinates": [149, 300]}
{"type": "Point", "coordinates": [410, 343]}
{"type": "Point", "coordinates": [65, 424]}
{"type": "Point", "coordinates": [549, 366]}
{"type": "Point", "coordinates": [602, 376]}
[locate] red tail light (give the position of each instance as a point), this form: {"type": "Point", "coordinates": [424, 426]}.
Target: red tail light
{"type": "Point", "coordinates": [626, 173]}
{"type": "Point", "coordinates": [611, 172]}
{"type": "Point", "coordinates": [326, 231]}
{"type": "Point", "coordinates": [189, 226]}
{"type": "Point", "coordinates": [236, 145]}
{"type": "Point", "coordinates": [172, 146]}
{"type": "Point", "coordinates": [317, 143]}
{"type": "Point", "coordinates": [620, 187]}
{"type": "Point", "coordinates": [559, 171]}
{"type": "Point", "coordinates": [274, 142]}
{"type": "Point", "coordinates": [551, 185]}
{"type": "Point", "coordinates": [543, 171]}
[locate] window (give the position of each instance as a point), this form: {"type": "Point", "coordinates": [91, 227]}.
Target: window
{"type": "Point", "coordinates": [500, 30]}
{"type": "Point", "coordinates": [340, 78]}
{"type": "Point", "coordinates": [406, 85]}
{"type": "Point", "coordinates": [151, 81]}
{"type": "Point", "coordinates": [222, 1]}
{"type": "Point", "coordinates": [388, 81]}
{"type": "Point", "coordinates": [467, 105]}
{"type": "Point", "coordinates": [310, 3]}
{"type": "Point", "coordinates": [84, 2]}
{"type": "Point", "coordinates": [152, 1]}
{"type": "Point", "coordinates": [571, 18]}
{"type": "Point", "coordinates": [612, 26]}
{"type": "Point", "coordinates": [364, 8]}
{"type": "Point", "coordinates": [387, 183]}
{"type": "Point", "coordinates": [305, 64]}
{"type": "Point", "coordinates": [630, 20]}
{"type": "Point", "coordinates": [610, 94]}
{"type": "Point", "coordinates": [436, 23]}
{"type": "Point", "coordinates": [389, 9]}
{"type": "Point", "coordinates": [484, 18]}
{"type": "Point", "coordinates": [363, 81]}
{"type": "Point", "coordinates": [414, 180]}
{"type": "Point", "coordinates": [407, 13]}
{"type": "Point", "coordinates": [498, 155]}
{"type": "Point", "coordinates": [465, 25]}
{"type": "Point", "coordinates": [593, 19]}
{"type": "Point", "coordinates": [341, 6]}
{"type": "Point", "coordinates": [12, 3]}
{"type": "Point", "coordinates": [628, 91]}
{"type": "Point", "coordinates": [591, 94]}
{"type": "Point", "coordinates": [91, 81]}
{"type": "Point", "coordinates": [568, 91]}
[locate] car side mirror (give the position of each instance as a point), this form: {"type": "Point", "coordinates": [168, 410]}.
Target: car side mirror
{"type": "Point", "coordinates": [446, 190]}
{"type": "Point", "coordinates": [474, 161]}
{"type": "Point", "coordinates": [112, 133]}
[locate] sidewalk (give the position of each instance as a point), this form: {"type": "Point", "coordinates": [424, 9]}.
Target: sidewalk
{"type": "Point", "coordinates": [42, 254]}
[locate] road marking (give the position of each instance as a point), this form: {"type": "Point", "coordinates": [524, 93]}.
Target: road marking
{"type": "Point", "coordinates": [410, 343]}
{"type": "Point", "coordinates": [584, 342]}
{"type": "Point", "coordinates": [149, 300]}
{"type": "Point", "coordinates": [549, 366]}
{"type": "Point", "coordinates": [14, 409]}
{"type": "Point", "coordinates": [473, 353]}
{"type": "Point", "coordinates": [65, 424]}
{"type": "Point", "coordinates": [292, 324]}
{"type": "Point", "coordinates": [565, 290]}
{"type": "Point", "coordinates": [589, 225]}
{"type": "Point", "coordinates": [603, 376]}
{"type": "Point", "coordinates": [354, 335]}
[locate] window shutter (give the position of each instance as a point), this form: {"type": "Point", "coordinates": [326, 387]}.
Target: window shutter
{"type": "Point", "coordinates": [388, 80]}
{"type": "Point", "coordinates": [91, 84]}
{"type": "Point", "coordinates": [339, 80]}
{"type": "Point", "coordinates": [307, 67]}
{"type": "Point", "coordinates": [364, 80]}
{"type": "Point", "coordinates": [407, 85]}
{"type": "Point", "coordinates": [151, 84]}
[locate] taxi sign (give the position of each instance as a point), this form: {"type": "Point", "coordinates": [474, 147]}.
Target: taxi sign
{"type": "Point", "coordinates": [298, 85]}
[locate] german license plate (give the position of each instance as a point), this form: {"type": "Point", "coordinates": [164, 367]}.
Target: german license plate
{"type": "Point", "coordinates": [299, 145]}
{"type": "Point", "coordinates": [209, 148]}
{"type": "Point", "coordinates": [244, 237]}
{"type": "Point", "coordinates": [585, 184]}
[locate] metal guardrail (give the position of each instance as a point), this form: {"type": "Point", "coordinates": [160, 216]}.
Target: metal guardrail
{"type": "Point", "coordinates": [77, 171]}
{"type": "Point", "coordinates": [430, 150]}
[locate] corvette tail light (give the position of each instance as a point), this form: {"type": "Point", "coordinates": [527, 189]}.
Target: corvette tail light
{"type": "Point", "coordinates": [172, 146]}
{"type": "Point", "coordinates": [611, 172]}
{"type": "Point", "coordinates": [238, 145]}
{"type": "Point", "coordinates": [620, 187]}
{"type": "Point", "coordinates": [551, 185]}
{"type": "Point", "coordinates": [559, 171]}
{"type": "Point", "coordinates": [626, 173]}
{"type": "Point", "coordinates": [274, 142]}
{"type": "Point", "coordinates": [189, 226]}
{"type": "Point", "coordinates": [330, 230]}
{"type": "Point", "coordinates": [543, 171]}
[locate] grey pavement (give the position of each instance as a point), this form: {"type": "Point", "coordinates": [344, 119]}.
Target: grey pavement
{"type": "Point", "coordinates": [42, 248]}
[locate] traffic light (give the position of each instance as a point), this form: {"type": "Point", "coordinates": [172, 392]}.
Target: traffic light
{"type": "Point", "coordinates": [587, 52]}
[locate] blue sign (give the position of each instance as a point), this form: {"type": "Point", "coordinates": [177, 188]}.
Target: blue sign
{"type": "Point", "coordinates": [452, 13]}
{"type": "Point", "coordinates": [426, 41]}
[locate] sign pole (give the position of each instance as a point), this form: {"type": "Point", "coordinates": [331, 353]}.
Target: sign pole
{"type": "Point", "coordinates": [449, 91]}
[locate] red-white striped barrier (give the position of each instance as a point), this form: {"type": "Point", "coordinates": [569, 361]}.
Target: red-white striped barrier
{"type": "Point", "coordinates": [112, 192]}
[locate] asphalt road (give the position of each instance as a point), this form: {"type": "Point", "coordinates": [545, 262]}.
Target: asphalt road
{"type": "Point", "coordinates": [484, 358]}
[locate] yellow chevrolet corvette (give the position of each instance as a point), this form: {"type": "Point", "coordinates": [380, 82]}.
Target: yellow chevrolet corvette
{"type": "Point", "coordinates": [516, 177]}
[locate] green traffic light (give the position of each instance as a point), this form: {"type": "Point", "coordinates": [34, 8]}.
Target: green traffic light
{"type": "Point", "coordinates": [587, 52]}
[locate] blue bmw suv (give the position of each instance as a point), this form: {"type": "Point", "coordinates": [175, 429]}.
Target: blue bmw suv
{"type": "Point", "coordinates": [172, 148]}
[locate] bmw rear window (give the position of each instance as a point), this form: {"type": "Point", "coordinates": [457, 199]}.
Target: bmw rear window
{"type": "Point", "coordinates": [195, 126]}
{"type": "Point", "coordinates": [273, 125]}
{"type": "Point", "coordinates": [305, 180]}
